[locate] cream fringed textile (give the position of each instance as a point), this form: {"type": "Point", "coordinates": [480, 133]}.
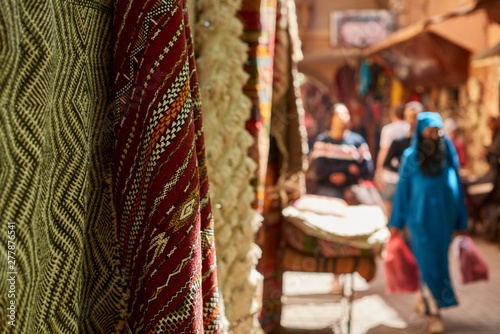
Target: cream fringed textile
{"type": "Point", "coordinates": [220, 57]}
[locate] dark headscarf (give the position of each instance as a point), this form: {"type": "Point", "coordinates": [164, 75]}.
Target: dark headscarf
{"type": "Point", "coordinates": [432, 153]}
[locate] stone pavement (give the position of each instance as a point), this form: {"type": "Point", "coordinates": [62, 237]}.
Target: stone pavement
{"type": "Point", "coordinates": [309, 308]}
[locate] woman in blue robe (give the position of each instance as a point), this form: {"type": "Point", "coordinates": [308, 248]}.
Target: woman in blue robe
{"type": "Point", "coordinates": [429, 200]}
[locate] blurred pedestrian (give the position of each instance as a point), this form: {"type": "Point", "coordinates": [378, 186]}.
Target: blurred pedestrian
{"type": "Point", "coordinates": [397, 128]}
{"type": "Point", "coordinates": [451, 127]}
{"type": "Point", "coordinates": [390, 165]}
{"type": "Point", "coordinates": [493, 151]}
{"type": "Point", "coordinates": [429, 200]}
{"type": "Point", "coordinates": [493, 159]}
{"type": "Point", "coordinates": [340, 156]}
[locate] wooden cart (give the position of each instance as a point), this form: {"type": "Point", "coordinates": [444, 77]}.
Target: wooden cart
{"type": "Point", "coordinates": [340, 242]}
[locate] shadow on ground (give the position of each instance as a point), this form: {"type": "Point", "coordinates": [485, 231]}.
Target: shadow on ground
{"type": "Point", "coordinates": [285, 330]}
{"type": "Point", "coordinates": [308, 307]}
{"type": "Point", "coordinates": [376, 330]}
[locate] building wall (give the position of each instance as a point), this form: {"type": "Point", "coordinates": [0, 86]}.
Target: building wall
{"type": "Point", "coordinates": [321, 59]}
{"type": "Point", "coordinates": [314, 17]}
{"type": "Point", "coordinates": [415, 11]}
{"type": "Point", "coordinates": [320, 10]}
{"type": "Point", "coordinates": [493, 32]}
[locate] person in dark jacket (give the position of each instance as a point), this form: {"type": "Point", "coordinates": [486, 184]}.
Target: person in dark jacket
{"type": "Point", "coordinates": [493, 159]}
{"type": "Point", "coordinates": [393, 157]}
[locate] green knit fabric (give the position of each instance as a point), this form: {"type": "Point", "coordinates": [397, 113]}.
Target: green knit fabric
{"type": "Point", "coordinates": [55, 143]}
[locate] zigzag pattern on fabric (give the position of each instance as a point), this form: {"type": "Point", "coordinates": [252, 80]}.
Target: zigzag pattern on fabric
{"type": "Point", "coordinates": [55, 154]}
{"type": "Point", "coordinates": [164, 219]}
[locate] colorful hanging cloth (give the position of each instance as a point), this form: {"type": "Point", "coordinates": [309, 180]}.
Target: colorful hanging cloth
{"type": "Point", "coordinates": [259, 21]}
{"type": "Point", "coordinates": [164, 218]}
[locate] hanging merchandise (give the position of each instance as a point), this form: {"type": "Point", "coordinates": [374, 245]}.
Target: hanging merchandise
{"type": "Point", "coordinates": [220, 56]}
{"type": "Point", "coordinates": [396, 92]}
{"type": "Point", "coordinates": [383, 81]}
{"type": "Point", "coordinates": [346, 85]}
{"type": "Point", "coordinates": [55, 153]}
{"type": "Point", "coordinates": [286, 161]}
{"type": "Point", "coordinates": [160, 181]}
{"type": "Point", "coordinates": [364, 78]}
{"type": "Point", "coordinates": [259, 20]}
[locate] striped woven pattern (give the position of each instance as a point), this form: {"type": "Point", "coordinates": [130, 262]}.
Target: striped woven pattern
{"type": "Point", "coordinates": [55, 155]}
{"type": "Point", "coordinates": [259, 21]}
{"type": "Point", "coordinates": [164, 219]}
{"type": "Point", "coordinates": [286, 157]}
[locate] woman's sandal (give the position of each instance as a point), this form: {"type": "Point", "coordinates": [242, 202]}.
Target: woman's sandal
{"type": "Point", "coordinates": [436, 324]}
{"type": "Point", "coordinates": [420, 308]}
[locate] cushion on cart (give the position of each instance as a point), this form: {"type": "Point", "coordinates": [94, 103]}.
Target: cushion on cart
{"type": "Point", "coordinates": [363, 226]}
{"type": "Point", "coordinates": [321, 205]}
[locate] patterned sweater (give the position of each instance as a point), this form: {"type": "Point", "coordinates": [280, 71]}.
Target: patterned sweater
{"type": "Point", "coordinates": [335, 156]}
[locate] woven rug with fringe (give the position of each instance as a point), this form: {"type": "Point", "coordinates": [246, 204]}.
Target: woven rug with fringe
{"type": "Point", "coordinates": [164, 218]}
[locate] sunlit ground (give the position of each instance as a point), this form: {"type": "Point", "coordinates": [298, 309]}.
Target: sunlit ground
{"type": "Point", "coordinates": [309, 308]}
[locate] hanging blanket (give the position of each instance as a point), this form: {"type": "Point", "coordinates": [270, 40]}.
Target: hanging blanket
{"type": "Point", "coordinates": [259, 21]}
{"type": "Point", "coordinates": [55, 155]}
{"type": "Point", "coordinates": [164, 218]}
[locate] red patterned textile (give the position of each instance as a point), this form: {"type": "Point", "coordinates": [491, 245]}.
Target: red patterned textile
{"type": "Point", "coordinates": [164, 218]}
{"type": "Point", "coordinates": [310, 245]}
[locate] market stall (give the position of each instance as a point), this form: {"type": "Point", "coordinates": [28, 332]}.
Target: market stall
{"type": "Point", "coordinates": [323, 234]}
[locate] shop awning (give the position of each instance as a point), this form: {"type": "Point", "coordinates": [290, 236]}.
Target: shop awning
{"type": "Point", "coordinates": [426, 60]}
{"type": "Point", "coordinates": [488, 57]}
{"type": "Point", "coordinates": [492, 8]}
{"type": "Point", "coordinates": [434, 51]}
{"type": "Point", "coordinates": [490, 52]}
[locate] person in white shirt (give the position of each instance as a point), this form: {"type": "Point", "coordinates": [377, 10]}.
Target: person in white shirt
{"type": "Point", "coordinates": [398, 128]}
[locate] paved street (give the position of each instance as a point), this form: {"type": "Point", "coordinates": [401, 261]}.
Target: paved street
{"type": "Point", "coordinates": [308, 308]}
